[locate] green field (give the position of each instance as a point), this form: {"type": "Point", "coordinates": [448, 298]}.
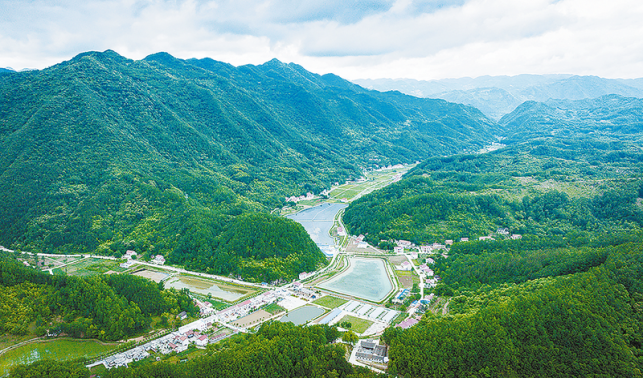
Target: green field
{"type": "Point", "coordinates": [374, 181]}
{"type": "Point", "coordinates": [357, 325]}
{"type": "Point", "coordinates": [274, 308]}
{"type": "Point", "coordinates": [407, 278]}
{"type": "Point", "coordinates": [330, 302]}
{"type": "Point", "coordinates": [58, 350]}
{"type": "Point", "coordinates": [91, 267]}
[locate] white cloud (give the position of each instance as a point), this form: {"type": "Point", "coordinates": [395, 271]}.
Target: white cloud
{"type": "Point", "coordinates": [422, 39]}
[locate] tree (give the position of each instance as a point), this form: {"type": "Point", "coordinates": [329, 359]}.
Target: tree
{"type": "Point", "coordinates": [350, 337]}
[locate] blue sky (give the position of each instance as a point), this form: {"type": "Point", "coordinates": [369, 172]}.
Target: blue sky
{"type": "Point", "coordinates": [421, 39]}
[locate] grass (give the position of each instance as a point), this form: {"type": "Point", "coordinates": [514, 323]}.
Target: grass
{"type": "Point", "coordinates": [92, 267]}
{"type": "Point", "coordinates": [407, 278]}
{"type": "Point", "coordinates": [375, 180]}
{"type": "Point", "coordinates": [273, 308]}
{"type": "Point", "coordinates": [358, 325]}
{"type": "Point", "coordinates": [8, 340]}
{"type": "Point", "coordinates": [59, 349]}
{"type": "Point", "coordinates": [330, 302]}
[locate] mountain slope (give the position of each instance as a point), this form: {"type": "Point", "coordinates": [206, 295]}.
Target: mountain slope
{"type": "Point", "coordinates": [613, 116]}
{"type": "Point", "coordinates": [162, 155]}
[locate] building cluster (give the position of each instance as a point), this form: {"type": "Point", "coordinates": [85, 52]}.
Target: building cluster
{"type": "Point", "coordinates": [426, 270]}
{"type": "Point", "coordinates": [371, 351]}
{"type": "Point", "coordinates": [205, 307]}
{"type": "Point", "coordinates": [308, 196]}
{"type": "Point", "coordinates": [300, 291]}
{"type": "Point", "coordinates": [408, 323]}
{"type": "Point", "coordinates": [244, 308]}
{"type": "Point", "coordinates": [173, 342]}
{"type": "Point", "coordinates": [360, 310]}
{"type": "Point", "coordinates": [401, 296]}
{"type": "Point", "coordinates": [431, 282]}
{"type": "Point", "coordinates": [158, 259]}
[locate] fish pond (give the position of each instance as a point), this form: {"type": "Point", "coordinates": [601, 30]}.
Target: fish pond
{"type": "Point", "coordinates": [302, 315]}
{"type": "Point", "coordinates": [318, 221]}
{"type": "Point", "coordinates": [365, 278]}
{"type": "Point", "coordinates": [203, 286]}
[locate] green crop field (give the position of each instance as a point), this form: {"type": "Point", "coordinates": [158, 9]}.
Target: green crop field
{"type": "Point", "coordinates": [274, 308]}
{"type": "Point", "coordinates": [330, 302]}
{"type": "Point", "coordinates": [357, 325]}
{"type": "Point", "coordinates": [64, 349]}
{"type": "Point", "coordinates": [91, 267]}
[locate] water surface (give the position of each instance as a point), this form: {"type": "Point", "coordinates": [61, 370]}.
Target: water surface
{"type": "Point", "coordinates": [365, 278]}
{"type": "Point", "coordinates": [301, 315]}
{"type": "Point", "coordinates": [318, 221]}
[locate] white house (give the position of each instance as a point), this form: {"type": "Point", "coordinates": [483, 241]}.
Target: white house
{"type": "Point", "coordinates": [202, 340]}
{"type": "Point", "coordinates": [406, 265]}
{"type": "Point", "coordinates": [398, 250]}
{"type": "Point", "coordinates": [403, 243]}
{"type": "Point", "coordinates": [159, 259]}
{"type": "Point", "coordinates": [425, 249]}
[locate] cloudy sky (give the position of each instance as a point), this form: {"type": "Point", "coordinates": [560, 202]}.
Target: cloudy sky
{"type": "Point", "coordinates": [421, 39]}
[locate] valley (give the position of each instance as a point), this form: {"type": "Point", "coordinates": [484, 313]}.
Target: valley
{"type": "Point", "coordinates": [189, 213]}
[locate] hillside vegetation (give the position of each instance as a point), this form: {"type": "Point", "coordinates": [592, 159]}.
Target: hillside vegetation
{"type": "Point", "coordinates": [101, 153]}
{"type": "Point", "coordinates": [541, 188]}
{"type": "Point", "coordinates": [110, 307]}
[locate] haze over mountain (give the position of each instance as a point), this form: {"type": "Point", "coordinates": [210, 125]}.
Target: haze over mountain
{"type": "Point", "coordinates": [496, 96]}
{"type": "Point", "coordinates": [162, 155]}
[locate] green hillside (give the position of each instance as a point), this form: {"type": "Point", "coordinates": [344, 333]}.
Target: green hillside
{"type": "Point", "coordinates": [541, 188]}
{"type": "Point", "coordinates": [610, 116]}
{"type": "Point", "coordinates": [103, 154]}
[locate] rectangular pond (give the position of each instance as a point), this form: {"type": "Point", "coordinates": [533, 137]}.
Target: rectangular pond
{"type": "Point", "coordinates": [205, 287]}
{"type": "Point", "coordinates": [302, 315]}
{"type": "Point", "coordinates": [318, 221]}
{"type": "Point", "coordinates": [365, 278]}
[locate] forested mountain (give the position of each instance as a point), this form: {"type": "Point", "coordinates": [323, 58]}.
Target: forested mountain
{"type": "Point", "coordinates": [610, 116]}
{"type": "Point", "coordinates": [568, 325]}
{"type": "Point", "coordinates": [497, 96]}
{"type": "Point", "coordinates": [544, 187]}
{"type": "Point", "coordinates": [160, 155]}
{"type": "Point", "coordinates": [110, 307]}
{"type": "Point", "coordinates": [563, 298]}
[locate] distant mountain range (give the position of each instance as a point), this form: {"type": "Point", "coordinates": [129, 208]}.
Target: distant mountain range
{"type": "Point", "coordinates": [162, 154]}
{"type": "Point", "coordinates": [497, 96]}
{"type": "Point", "coordinates": [609, 116]}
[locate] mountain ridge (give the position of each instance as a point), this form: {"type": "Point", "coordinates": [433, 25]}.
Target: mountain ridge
{"type": "Point", "coordinates": [496, 96]}
{"type": "Point", "coordinates": [161, 155]}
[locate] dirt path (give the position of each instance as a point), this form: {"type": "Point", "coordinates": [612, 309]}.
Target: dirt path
{"type": "Point", "coordinates": [445, 309]}
{"type": "Point", "coordinates": [14, 346]}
